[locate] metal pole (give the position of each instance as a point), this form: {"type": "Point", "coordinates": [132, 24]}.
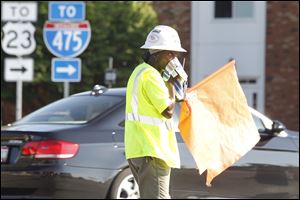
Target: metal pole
{"type": "Point", "coordinates": [2, 110]}
{"type": "Point", "coordinates": [110, 62]}
{"type": "Point", "coordinates": [110, 66]}
{"type": "Point", "coordinates": [19, 100]}
{"type": "Point", "coordinates": [66, 89]}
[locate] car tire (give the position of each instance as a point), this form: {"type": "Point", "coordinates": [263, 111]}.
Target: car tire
{"type": "Point", "coordinates": [124, 186]}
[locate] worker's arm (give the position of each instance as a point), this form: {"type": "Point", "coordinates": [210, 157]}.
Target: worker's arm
{"type": "Point", "coordinates": [168, 112]}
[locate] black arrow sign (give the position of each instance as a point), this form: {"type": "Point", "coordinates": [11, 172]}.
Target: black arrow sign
{"type": "Point", "coordinates": [23, 69]}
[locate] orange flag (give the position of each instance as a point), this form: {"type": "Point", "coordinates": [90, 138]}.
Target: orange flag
{"type": "Point", "coordinates": [215, 122]}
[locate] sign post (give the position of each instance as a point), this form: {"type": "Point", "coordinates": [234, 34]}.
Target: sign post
{"type": "Point", "coordinates": [18, 40]}
{"type": "Point", "coordinates": [110, 73]}
{"type": "Point", "coordinates": [19, 95]}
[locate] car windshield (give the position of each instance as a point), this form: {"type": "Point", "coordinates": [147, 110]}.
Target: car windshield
{"type": "Point", "coordinates": [72, 110]}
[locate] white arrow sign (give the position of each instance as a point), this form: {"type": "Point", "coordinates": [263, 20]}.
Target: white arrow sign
{"type": "Point", "coordinates": [70, 70]}
{"type": "Point", "coordinates": [66, 70]}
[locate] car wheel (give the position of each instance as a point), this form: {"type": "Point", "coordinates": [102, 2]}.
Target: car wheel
{"type": "Point", "coordinates": [125, 186]}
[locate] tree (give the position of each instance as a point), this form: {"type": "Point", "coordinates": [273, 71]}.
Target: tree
{"type": "Point", "coordinates": [119, 28]}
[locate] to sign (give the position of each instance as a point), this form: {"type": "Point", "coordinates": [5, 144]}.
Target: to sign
{"type": "Point", "coordinates": [18, 38]}
{"type": "Point", "coordinates": [66, 11]}
{"type": "Point", "coordinates": [67, 39]}
{"type": "Point", "coordinates": [18, 11]}
{"type": "Point", "coordinates": [18, 69]}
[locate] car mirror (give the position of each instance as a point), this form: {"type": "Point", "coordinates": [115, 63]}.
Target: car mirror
{"type": "Point", "coordinates": [263, 130]}
{"type": "Point", "coordinates": [277, 126]}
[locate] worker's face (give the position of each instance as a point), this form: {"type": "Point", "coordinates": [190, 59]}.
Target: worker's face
{"type": "Point", "coordinates": [162, 58]}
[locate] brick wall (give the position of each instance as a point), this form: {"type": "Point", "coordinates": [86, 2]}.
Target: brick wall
{"type": "Point", "coordinates": [282, 62]}
{"type": "Point", "coordinates": [177, 14]}
{"type": "Point", "coordinates": [282, 49]}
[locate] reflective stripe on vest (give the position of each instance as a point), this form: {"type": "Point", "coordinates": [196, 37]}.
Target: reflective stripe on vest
{"type": "Point", "coordinates": [145, 119]}
{"type": "Point", "coordinates": [134, 116]}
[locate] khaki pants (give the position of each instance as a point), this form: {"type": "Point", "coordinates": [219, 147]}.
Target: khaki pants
{"type": "Point", "coordinates": [153, 177]}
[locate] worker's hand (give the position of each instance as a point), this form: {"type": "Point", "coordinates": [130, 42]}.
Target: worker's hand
{"type": "Point", "coordinates": [171, 88]}
{"type": "Point", "coordinates": [168, 112]}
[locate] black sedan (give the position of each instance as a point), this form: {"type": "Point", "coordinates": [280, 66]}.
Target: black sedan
{"type": "Point", "coordinates": [73, 148]}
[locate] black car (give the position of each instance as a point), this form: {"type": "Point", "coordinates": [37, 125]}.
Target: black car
{"type": "Point", "coordinates": [74, 148]}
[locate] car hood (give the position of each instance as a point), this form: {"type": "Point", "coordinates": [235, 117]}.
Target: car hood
{"type": "Point", "coordinates": [287, 140]}
{"type": "Point", "coordinates": [294, 137]}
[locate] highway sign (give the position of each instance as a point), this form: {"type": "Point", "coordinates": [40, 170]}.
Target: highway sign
{"type": "Point", "coordinates": [67, 39]}
{"type": "Point", "coordinates": [66, 70]}
{"type": "Point", "coordinates": [18, 38]}
{"type": "Point", "coordinates": [66, 11]}
{"type": "Point", "coordinates": [18, 69]}
{"type": "Point", "coordinates": [19, 11]}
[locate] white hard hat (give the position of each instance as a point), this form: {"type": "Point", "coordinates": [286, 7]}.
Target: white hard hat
{"type": "Point", "coordinates": [163, 38]}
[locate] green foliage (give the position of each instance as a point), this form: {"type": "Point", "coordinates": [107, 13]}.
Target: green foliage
{"type": "Point", "coordinates": [119, 28]}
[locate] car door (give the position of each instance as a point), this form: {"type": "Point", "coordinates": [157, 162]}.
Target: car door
{"type": "Point", "coordinates": [269, 170]}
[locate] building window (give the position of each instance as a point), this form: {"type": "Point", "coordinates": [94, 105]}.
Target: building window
{"type": "Point", "coordinates": [233, 9]}
{"type": "Point", "coordinates": [223, 9]}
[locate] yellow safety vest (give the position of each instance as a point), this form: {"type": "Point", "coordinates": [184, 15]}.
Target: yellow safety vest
{"type": "Point", "coordinates": [147, 132]}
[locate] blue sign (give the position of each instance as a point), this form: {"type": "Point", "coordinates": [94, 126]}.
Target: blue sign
{"type": "Point", "coordinates": [67, 39]}
{"type": "Point", "coordinates": [66, 70]}
{"type": "Point", "coordinates": [66, 11]}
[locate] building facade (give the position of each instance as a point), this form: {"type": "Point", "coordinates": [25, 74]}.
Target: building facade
{"type": "Point", "coordinates": [263, 38]}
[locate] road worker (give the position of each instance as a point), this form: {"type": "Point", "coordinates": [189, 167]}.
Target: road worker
{"type": "Point", "coordinates": [150, 141]}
